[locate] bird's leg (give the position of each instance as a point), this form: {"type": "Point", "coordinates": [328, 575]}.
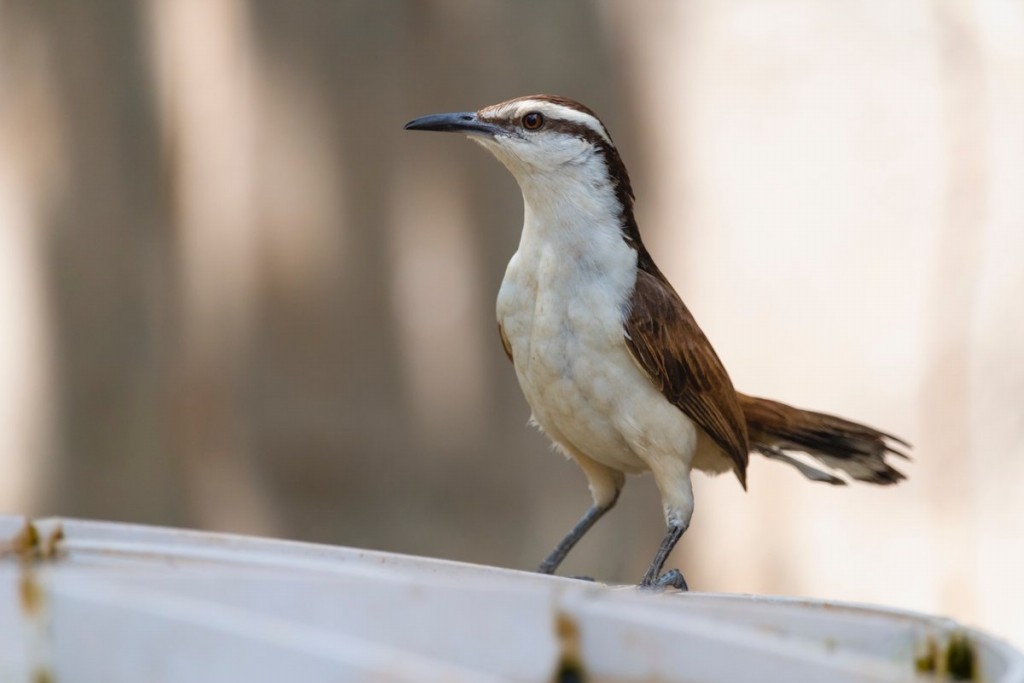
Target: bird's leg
{"type": "Point", "coordinates": [590, 517]}
{"type": "Point", "coordinates": [653, 578]}
{"type": "Point", "coordinates": [673, 479]}
{"type": "Point", "coordinates": [605, 485]}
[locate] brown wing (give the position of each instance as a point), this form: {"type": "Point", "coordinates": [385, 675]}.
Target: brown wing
{"type": "Point", "coordinates": [667, 343]}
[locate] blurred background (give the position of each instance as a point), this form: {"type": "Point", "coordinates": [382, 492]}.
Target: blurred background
{"type": "Point", "coordinates": [236, 295]}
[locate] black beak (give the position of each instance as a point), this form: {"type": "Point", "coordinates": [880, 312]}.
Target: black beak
{"type": "Point", "coordinates": [457, 122]}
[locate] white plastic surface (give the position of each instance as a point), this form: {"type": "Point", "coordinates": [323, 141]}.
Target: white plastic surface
{"type": "Point", "coordinates": [98, 602]}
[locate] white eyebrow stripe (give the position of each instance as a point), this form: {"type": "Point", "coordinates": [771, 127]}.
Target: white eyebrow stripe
{"type": "Point", "coordinates": [553, 111]}
{"type": "Point", "coordinates": [576, 116]}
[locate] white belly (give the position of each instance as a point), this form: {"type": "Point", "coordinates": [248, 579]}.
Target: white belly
{"type": "Point", "coordinates": [564, 323]}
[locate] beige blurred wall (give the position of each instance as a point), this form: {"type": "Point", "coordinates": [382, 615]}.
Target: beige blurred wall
{"type": "Point", "coordinates": [235, 295]}
{"type": "Point", "coordinates": [840, 189]}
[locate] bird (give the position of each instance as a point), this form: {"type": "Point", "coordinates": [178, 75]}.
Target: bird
{"type": "Point", "coordinates": [612, 363]}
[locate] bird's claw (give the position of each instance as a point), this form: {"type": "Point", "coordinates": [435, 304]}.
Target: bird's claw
{"type": "Point", "coordinates": [673, 578]}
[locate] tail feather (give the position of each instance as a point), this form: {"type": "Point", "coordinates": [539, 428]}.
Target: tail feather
{"type": "Point", "coordinates": [811, 473]}
{"type": "Point", "coordinates": [858, 450]}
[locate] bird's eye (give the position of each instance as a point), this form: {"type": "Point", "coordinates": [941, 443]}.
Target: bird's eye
{"type": "Point", "coordinates": [533, 121]}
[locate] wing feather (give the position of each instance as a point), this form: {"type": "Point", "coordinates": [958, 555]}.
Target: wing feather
{"type": "Point", "coordinates": [668, 345]}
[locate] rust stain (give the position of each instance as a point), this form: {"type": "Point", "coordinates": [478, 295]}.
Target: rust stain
{"type": "Point", "coordinates": [960, 658]}
{"type": "Point", "coordinates": [42, 676]}
{"type": "Point", "coordinates": [30, 544]}
{"type": "Point", "coordinates": [32, 549]}
{"type": "Point", "coordinates": [30, 593]}
{"type": "Point", "coordinates": [928, 662]}
{"type": "Point", "coordinates": [26, 541]}
{"type": "Point", "coordinates": [50, 547]}
{"type": "Point", "coordinates": [954, 660]}
{"type": "Point", "coordinates": [570, 663]}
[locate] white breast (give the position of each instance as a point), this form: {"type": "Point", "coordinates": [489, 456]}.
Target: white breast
{"type": "Point", "coordinates": [562, 306]}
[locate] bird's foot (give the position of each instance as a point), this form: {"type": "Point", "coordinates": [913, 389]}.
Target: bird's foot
{"type": "Point", "coordinates": [591, 579]}
{"type": "Point", "coordinates": [670, 579]}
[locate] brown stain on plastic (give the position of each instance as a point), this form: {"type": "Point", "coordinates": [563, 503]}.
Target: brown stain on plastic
{"type": "Point", "coordinates": [960, 659]}
{"type": "Point", "coordinates": [50, 546]}
{"type": "Point", "coordinates": [26, 541]}
{"type": "Point", "coordinates": [955, 660]}
{"type": "Point", "coordinates": [30, 594]}
{"type": "Point", "coordinates": [929, 661]}
{"type": "Point", "coordinates": [31, 549]}
{"type": "Point", "coordinates": [29, 544]}
{"type": "Point", "coordinates": [570, 664]}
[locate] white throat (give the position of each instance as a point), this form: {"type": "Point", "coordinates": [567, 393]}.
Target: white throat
{"type": "Point", "coordinates": [572, 210]}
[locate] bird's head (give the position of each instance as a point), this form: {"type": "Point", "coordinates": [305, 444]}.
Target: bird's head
{"type": "Point", "coordinates": [552, 145]}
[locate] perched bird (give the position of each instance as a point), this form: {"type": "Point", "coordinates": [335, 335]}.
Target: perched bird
{"type": "Point", "coordinates": [613, 364]}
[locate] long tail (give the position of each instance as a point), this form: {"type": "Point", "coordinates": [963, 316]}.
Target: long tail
{"type": "Point", "coordinates": [855, 449]}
